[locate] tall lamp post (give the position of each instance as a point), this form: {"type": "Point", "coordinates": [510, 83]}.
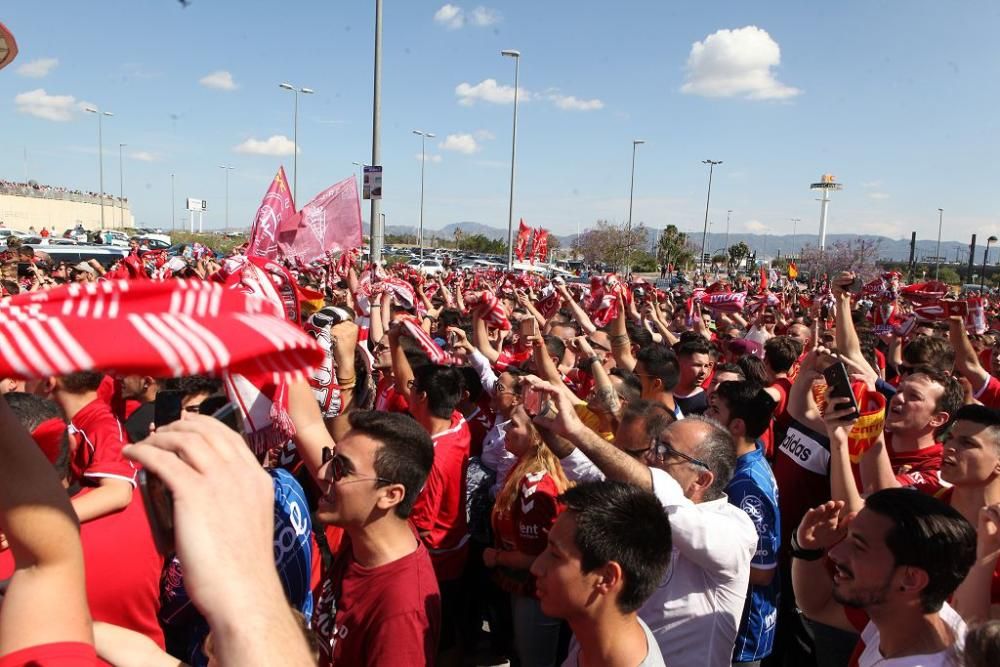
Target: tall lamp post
{"type": "Point", "coordinates": [424, 136]}
{"type": "Point", "coordinates": [100, 152]}
{"type": "Point", "coordinates": [516, 55]}
{"type": "Point", "coordinates": [729, 214]}
{"type": "Point", "coordinates": [986, 252]}
{"type": "Point", "coordinates": [937, 253]}
{"type": "Point", "coordinates": [361, 178]}
{"type": "Point", "coordinates": [228, 169]}
{"type": "Point", "coordinates": [173, 201]}
{"type": "Point", "coordinates": [628, 229]}
{"type": "Point", "coordinates": [295, 133]}
{"type": "Point", "coordinates": [121, 185]}
{"type": "Point", "coordinates": [704, 232]}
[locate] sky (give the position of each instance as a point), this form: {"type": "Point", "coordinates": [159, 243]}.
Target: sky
{"type": "Point", "coordinates": [897, 100]}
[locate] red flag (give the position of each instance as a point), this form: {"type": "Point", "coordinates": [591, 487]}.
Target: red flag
{"type": "Point", "coordinates": [793, 271]}
{"type": "Point", "coordinates": [329, 223]}
{"type": "Point", "coordinates": [763, 280]}
{"type": "Point", "coordinates": [540, 245]}
{"type": "Point", "coordinates": [276, 207]}
{"type": "Point", "coordinates": [521, 245]}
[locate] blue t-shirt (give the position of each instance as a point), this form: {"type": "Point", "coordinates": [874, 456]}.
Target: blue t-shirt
{"type": "Point", "coordinates": [754, 490]}
{"type": "Point", "coordinates": [183, 624]}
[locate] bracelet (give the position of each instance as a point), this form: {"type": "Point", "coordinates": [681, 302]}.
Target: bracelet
{"type": "Point", "coordinates": [347, 385]}
{"type": "Point", "coordinates": [590, 361]}
{"type": "Point", "coordinates": [804, 554]}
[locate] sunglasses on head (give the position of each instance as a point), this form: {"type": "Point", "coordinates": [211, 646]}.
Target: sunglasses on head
{"type": "Point", "coordinates": [341, 468]}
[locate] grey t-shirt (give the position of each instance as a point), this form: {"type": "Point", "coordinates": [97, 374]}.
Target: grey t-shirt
{"type": "Point", "coordinates": [652, 659]}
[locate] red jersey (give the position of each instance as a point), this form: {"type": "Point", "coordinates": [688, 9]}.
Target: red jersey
{"type": "Point", "coordinates": [99, 441]}
{"type": "Point", "coordinates": [989, 394]}
{"type": "Point", "coordinates": [58, 654]}
{"type": "Point", "coordinates": [439, 511]}
{"type": "Point", "coordinates": [525, 527]}
{"type": "Point", "coordinates": [386, 615]}
{"type": "Point", "coordinates": [387, 399]}
{"type": "Point", "coordinates": [121, 569]}
{"type": "Point", "coordinates": [508, 358]}
{"type": "Point", "coordinates": [920, 469]}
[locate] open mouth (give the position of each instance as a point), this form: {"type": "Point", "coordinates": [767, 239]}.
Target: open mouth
{"type": "Point", "coordinates": [841, 574]}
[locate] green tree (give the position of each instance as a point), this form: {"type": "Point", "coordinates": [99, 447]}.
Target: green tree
{"type": "Point", "coordinates": [738, 253]}
{"type": "Point", "coordinates": [673, 247]}
{"type": "Point", "coordinates": [948, 275]}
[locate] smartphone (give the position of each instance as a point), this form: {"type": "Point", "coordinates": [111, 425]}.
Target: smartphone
{"type": "Point", "coordinates": [24, 270]}
{"type": "Point", "coordinates": [452, 338]}
{"type": "Point", "coordinates": [529, 327]}
{"type": "Point", "coordinates": [769, 318]}
{"type": "Point", "coordinates": [221, 408]}
{"type": "Point", "coordinates": [167, 407]}
{"type": "Point", "coordinates": [159, 504]}
{"type": "Point", "coordinates": [840, 386]}
{"type": "Point", "coordinates": [960, 308]}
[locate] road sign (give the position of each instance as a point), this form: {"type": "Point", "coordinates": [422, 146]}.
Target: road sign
{"type": "Point", "coordinates": [197, 204]}
{"type": "Point", "coordinates": [373, 182]}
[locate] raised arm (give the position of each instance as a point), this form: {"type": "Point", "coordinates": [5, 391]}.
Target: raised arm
{"type": "Point", "coordinates": [46, 601]}
{"type": "Point", "coordinates": [972, 597]}
{"type": "Point", "coordinates": [842, 484]}
{"type": "Point", "coordinates": [402, 373]}
{"type": "Point", "coordinates": [966, 361]}
{"type": "Point", "coordinates": [801, 404]}
{"type": "Point", "coordinates": [820, 529]}
{"type": "Point", "coordinates": [481, 340]}
{"type": "Point", "coordinates": [579, 314]}
{"type": "Point", "coordinates": [621, 346]}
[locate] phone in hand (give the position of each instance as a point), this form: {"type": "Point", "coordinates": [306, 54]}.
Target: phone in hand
{"type": "Point", "coordinates": [535, 401]}
{"type": "Point", "coordinates": [159, 504]}
{"type": "Point", "coordinates": [840, 386]}
{"type": "Point", "coordinates": [529, 327]}
{"type": "Point", "coordinates": [167, 407]}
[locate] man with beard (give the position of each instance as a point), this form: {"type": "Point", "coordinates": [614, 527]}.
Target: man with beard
{"type": "Point", "coordinates": [894, 565]}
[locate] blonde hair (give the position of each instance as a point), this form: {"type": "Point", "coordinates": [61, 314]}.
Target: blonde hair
{"type": "Point", "coordinates": [538, 458]}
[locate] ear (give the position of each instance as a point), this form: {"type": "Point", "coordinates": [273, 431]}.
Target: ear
{"type": "Point", "coordinates": [939, 419]}
{"type": "Point", "coordinates": [704, 480]}
{"type": "Point", "coordinates": [611, 579]}
{"type": "Point", "coordinates": [738, 427]}
{"type": "Point", "coordinates": [390, 496]}
{"type": "Point", "coordinates": [913, 580]}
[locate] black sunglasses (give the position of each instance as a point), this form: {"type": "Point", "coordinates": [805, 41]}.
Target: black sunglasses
{"type": "Point", "coordinates": [340, 468]}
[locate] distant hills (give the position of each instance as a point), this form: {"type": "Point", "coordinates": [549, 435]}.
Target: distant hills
{"type": "Point", "coordinates": [766, 245]}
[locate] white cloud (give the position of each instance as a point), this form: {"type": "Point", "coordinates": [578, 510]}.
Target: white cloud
{"type": "Point", "coordinates": [488, 90]}
{"type": "Point", "coordinates": [878, 196]}
{"type": "Point", "coordinates": [484, 135]}
{"type": "Point", "coordinates": [143, 156]}
{"type": "Point", "coordinates": [450, 16]}
{"type": "Point", "coordinates": [736, 62]}
{"type": "Point", "coordinates": [38, 103]}
{"type": "Point", "coordinates": [460, 143]}
{"type": "Point", "coordinates": [38, 68]}
{"type": "Point", "coordinates": [432, 158]}
{"type": "Point", "coordinates": [276, 145]}
{"type": "Point", "coordinates": [220, 80]}
{"type": "Point", "coordinates": [484, 16]}
{"type": "Point", "coordinates": [755, 226]}
{"type": "Point", "coordinates": [570, 103]}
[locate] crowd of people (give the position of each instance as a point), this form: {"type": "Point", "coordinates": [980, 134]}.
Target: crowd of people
{"type": "Point", "coordinates": [493, 467]}
{"type": "Point", "coordinates": [34, 189]}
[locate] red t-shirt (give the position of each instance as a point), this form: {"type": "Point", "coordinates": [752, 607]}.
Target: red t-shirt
{"type": "Point", "coordinates": [920, 469]}
{"type": "Point", "coordinates": [387, 399]}
{"type": "Point", "coordinates": [989, 394]}
{"type": "Point", "coordinates": [99, 442]}
{"type": "Point", "coordinates": [439, 511]}
{"type": "Point", "coordinates": [58, 654]}
{"type": "Point", "coordinates": [387, 615]}
{"type": "Point", "coordinates": [508, 358]}
{"type": "Point", "coordinates": [121, 569]}
{"type": "Point", "coordinates": [525, 527]}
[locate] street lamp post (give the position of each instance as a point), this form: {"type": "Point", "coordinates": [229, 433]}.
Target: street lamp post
{"type": "Point", "coordinates": [937, 253]}
{"type": "Point", "coordinates": [228, 169]}
{"type": "Point", "coordinates": [423, 155]}
{"type": "Point", "coordinates": [708, 198]}
{"type": "Point", "coordinates": [628, 229]}
{"type": "Point", "coordinates": [986, 252]}
{"type": "Point", "coordinates": [121, 185]}
{"type": "Point", "coordinates": [516, 55]}
{"type": "Point", "coordinates": [100, 152]}
{"type": "Point", "coordinates": [729, 213]}
{"type": "Point", "coordinates": [295, 133]}
{"type": "Point", "coordinates": [173, 201]}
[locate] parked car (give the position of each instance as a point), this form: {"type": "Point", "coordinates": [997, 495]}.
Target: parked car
{"type": "Point", "coordinates": [430, 267]}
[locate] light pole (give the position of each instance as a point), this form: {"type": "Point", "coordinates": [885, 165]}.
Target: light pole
{"type": "Point", "coordinates": [375, 240]}
{"type": "Point", "coordinates": [704, 233]}
{"type": "Point", "coordinates": [986, 252]}
{"type": "Point", "coordinates": [628, 229]}
{"type": "Point", "coordinates": [361, 178]}
{"type": "Point", "coordinates": [100, 152]}
{"type": "Point", "coordinates": [729, 214]}
{"type": "Point", "coordinates": [121, 185]}
{"type": "Point", "coordinates": [516, 55]}
{"type": "Point", "coordinates": [228, 169]}
{"type": "Point", "coordinates": [937, 253]}
{"type": "Point", "coordinates": [423, 139]}
{"type": "Point", "coordinates": [295, 133]}
{"type": "Point", "coordinates": [173, 202]}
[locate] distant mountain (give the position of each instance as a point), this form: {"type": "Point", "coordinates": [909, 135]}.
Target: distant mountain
{"type": "Point", "coordinates": [766, 245]}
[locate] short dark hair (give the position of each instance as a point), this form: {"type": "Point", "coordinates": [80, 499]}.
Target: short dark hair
{"type": "Point", "coordinates": [32, 411]}
{"type": "Point", "coordinates": [749, 402]}
{"type": "Point", "coordinates": [729, 368]}
{"type": "Point", "coordinates": [656, 416]}
{"type": "Point", "coordinates": [661, 363]}
{"type": "Point", "coordinates": [443, 386]}
{"type": "Point", "coordinates": [82, 381]}
{"type": "Point", "coordinates": [691, 346]}
{"type": "Point", "coordinates": [953, 397]}
{"type": "Point", "coordinates": [450, 317]}
{"type": "Point", "coordinates": [929, 534]}
{"type": "Point", "coordinates": [754, 369]}
{"type": "Point", "coordinates": [631, 389]}
{"type": "Point", "coordinates": [554, 345]}
{"type": "Point", "coordinates": [405, 455]}
{"type": "Point", "coordinates": [637, 334]}
{"type": "Point", "coordinates": [930, 351]}
{"type": "Point", "coordinates": [471, 382]}
{"type": "Point", "coordinates": [625, 524]}
{"type": "Point", "coordinates": [781, 352]}
{"type": "Point", "coordinates": [192, 385]}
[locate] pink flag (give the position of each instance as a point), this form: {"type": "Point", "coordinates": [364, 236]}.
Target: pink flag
{"type": "Point", "coordinates": [540, 245]}
{"type": "Point", "coordinates": [329, 223]}
{"type": "Point", "coordinates": [276, 207]}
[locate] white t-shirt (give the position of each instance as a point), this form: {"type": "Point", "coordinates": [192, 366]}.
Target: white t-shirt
{"type": "Point", "coordinates": [653, 657]}
{"type": "Point", "coordinates": [696, 611]}
{"type": "Point", "coordinates": [872, 657]}
{"type": "Point", "coordinates": [495, 455]}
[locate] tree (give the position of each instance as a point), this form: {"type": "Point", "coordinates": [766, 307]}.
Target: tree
{"type": "Point", "coordinates": [737, 253]}
{"type": "Point", "coordinates": [857, 255]}
{"type": "Point", "coordinates": [673, 247]}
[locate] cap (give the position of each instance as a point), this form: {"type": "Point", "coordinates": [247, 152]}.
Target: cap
{"type": "Point", "coordinates": [83, 266]}
{"type": "Point", "coordinates": [743, 346]}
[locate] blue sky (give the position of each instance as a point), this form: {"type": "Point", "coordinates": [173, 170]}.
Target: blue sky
{"type": "Point", "coordinates": [898, 100]}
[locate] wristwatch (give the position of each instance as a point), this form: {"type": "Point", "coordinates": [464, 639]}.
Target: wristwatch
{"type": "Point", "coordinates": [805, 554]}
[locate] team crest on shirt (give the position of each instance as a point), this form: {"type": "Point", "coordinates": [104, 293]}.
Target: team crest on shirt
{"type": "Point", "coordinates": [754, 508]}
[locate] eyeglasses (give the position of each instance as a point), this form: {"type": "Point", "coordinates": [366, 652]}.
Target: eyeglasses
{"type": "Point", "coordinates": [341, 468]}
{"type": "Point", "coordinates": [599, 346]}
{"type": "Point", "coordinates": [661, 451]}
